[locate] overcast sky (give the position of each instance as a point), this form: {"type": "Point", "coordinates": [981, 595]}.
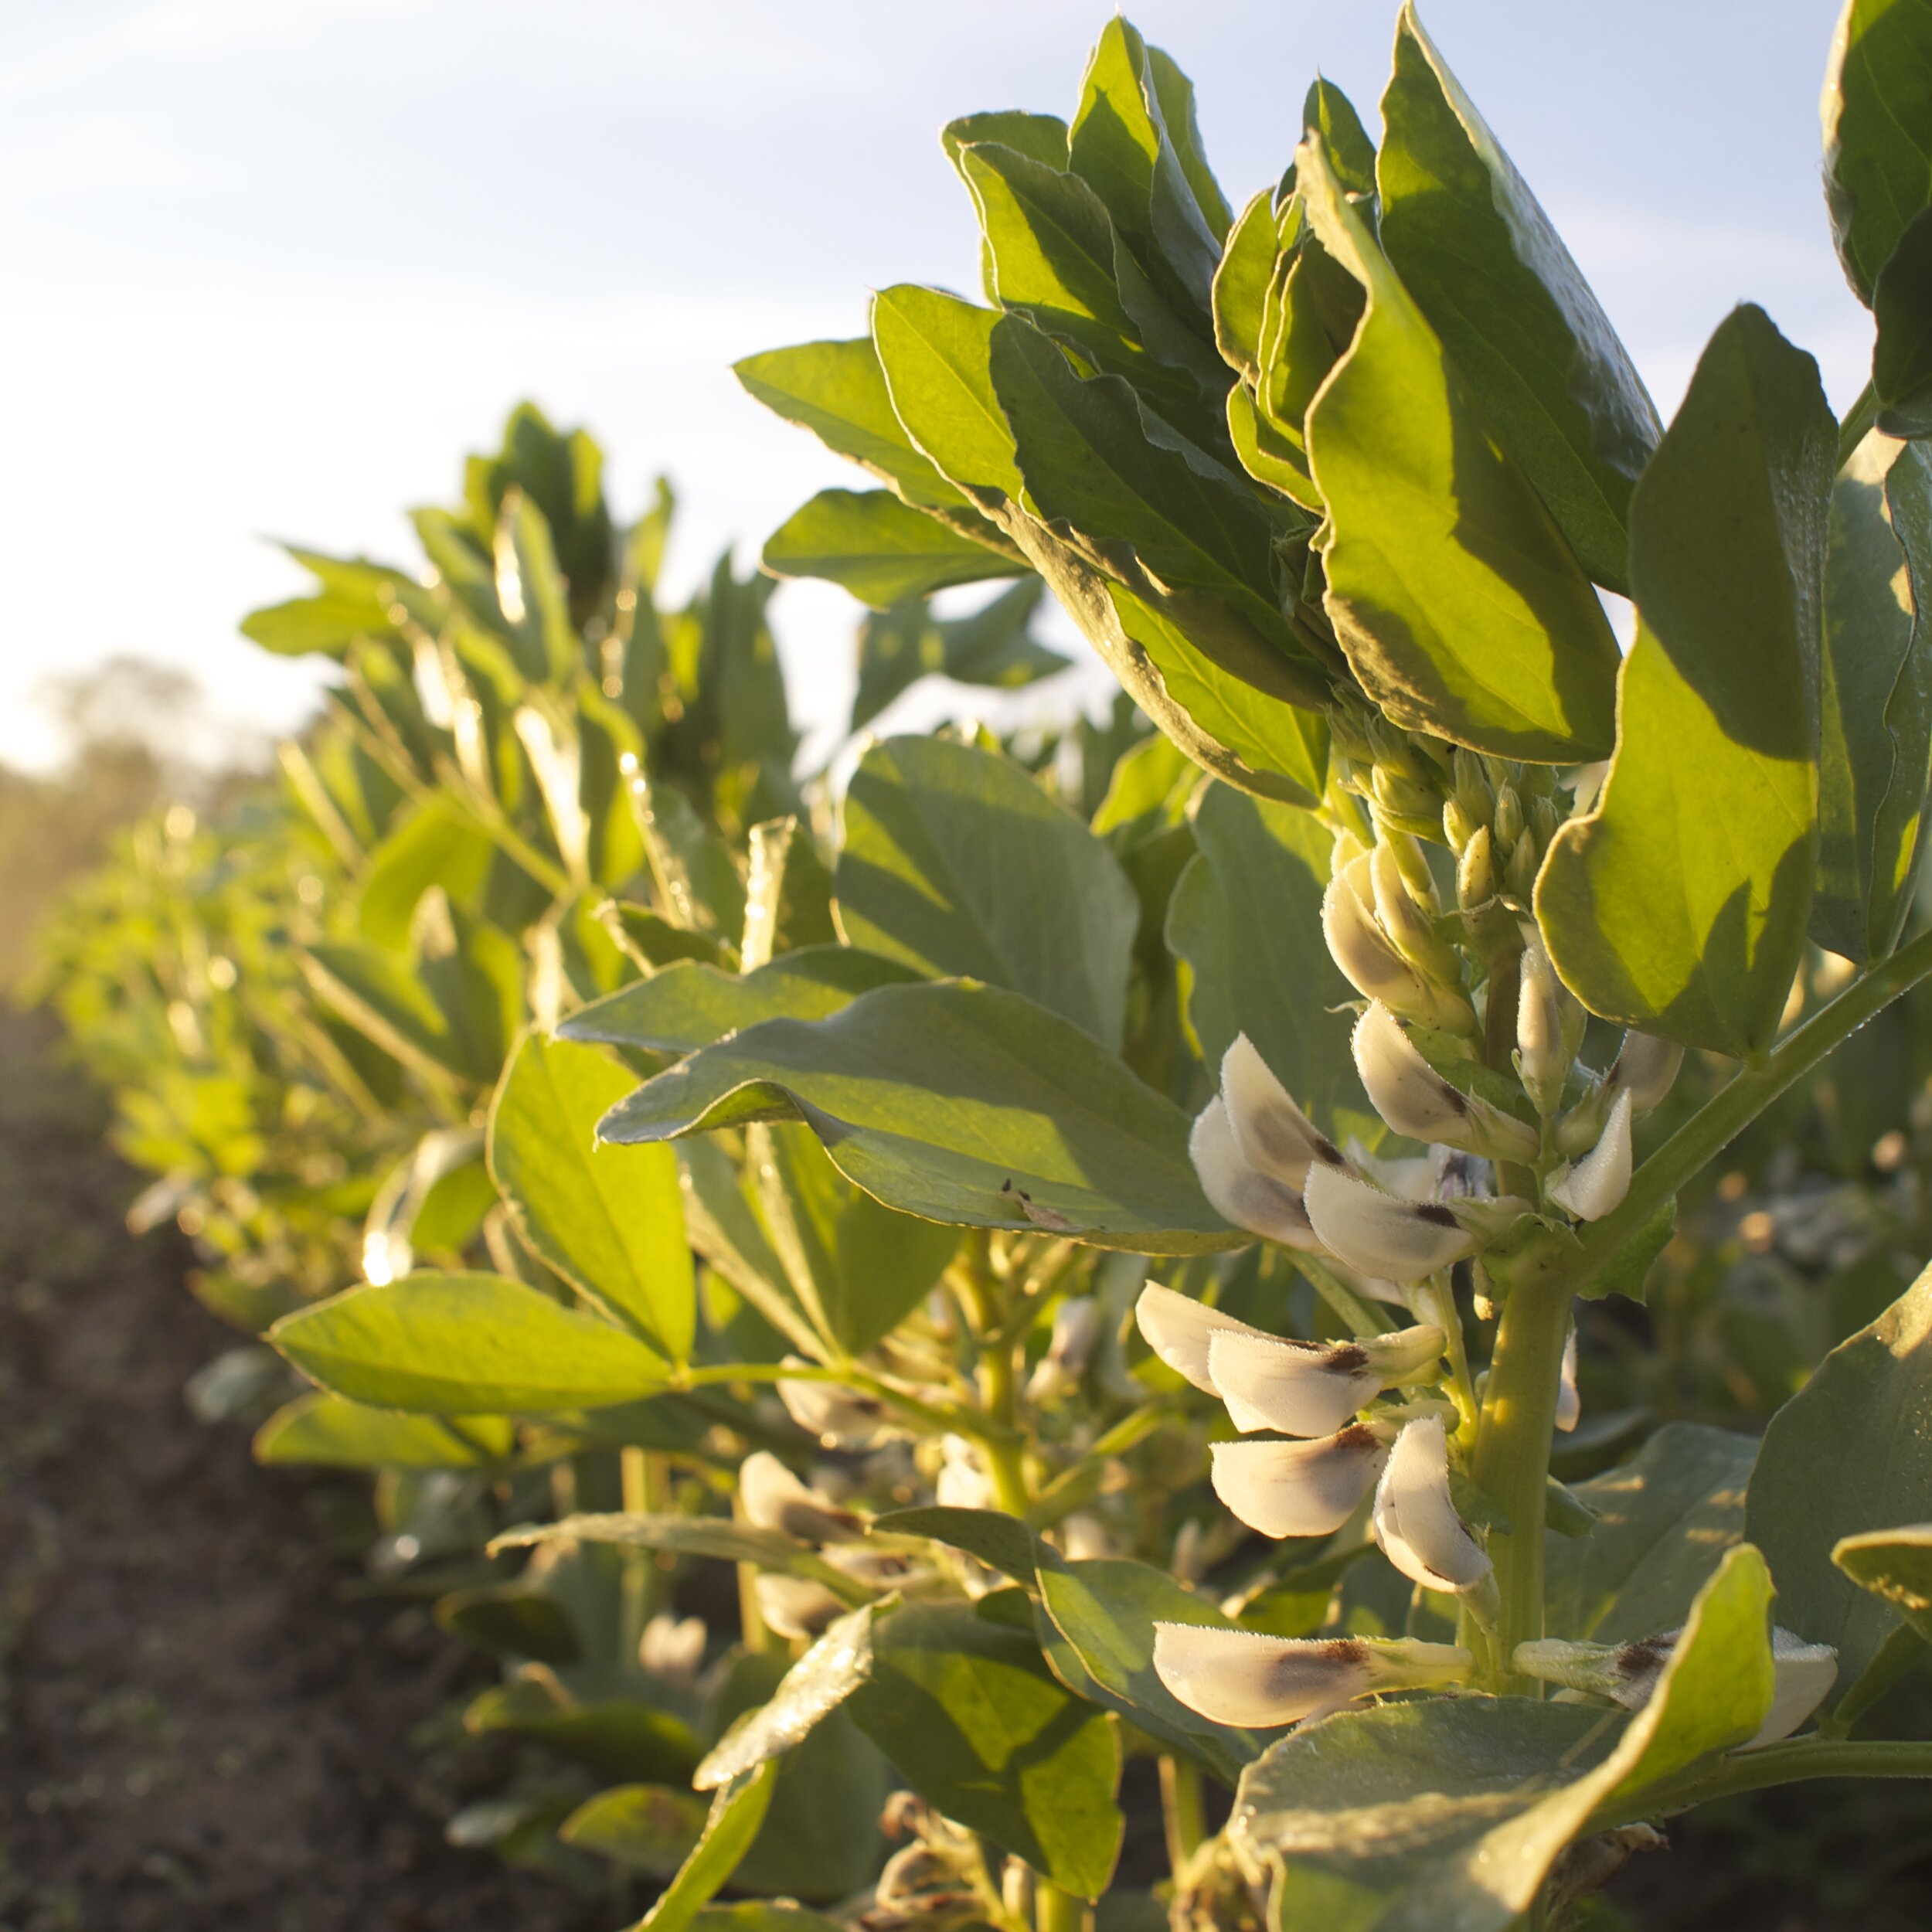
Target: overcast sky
{"type": "Point", "coordinates": [274, 265]}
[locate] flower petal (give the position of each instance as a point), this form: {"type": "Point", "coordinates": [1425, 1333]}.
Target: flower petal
{"type": "Point", "coordinates": [1570, 1407]}
{"type": "Point", "coordinates": [1179, 1329]}
{"type": "Point", "coordinates": [1374, 1232]}
{"type": "Point", "coordinates": [774, 1499]}
{"type": "Point", "coordinates": [1415, 1099]}
{"type": "Point", "coordinates": [1275, 1136]}
{"type": "Point", "coordinates": [1599, 1182]}
{"type": "Point", "coordinates": [1301, 1387]}
{"type": "Point", "coordinates": [796, 1606]}
{"type": "Point", "coordinates": [840, 1418]}
{"type": "Point", "coordinates": [1241, 1194]}
{"type": "Point", "coordinates": [1645, 1068]}
{"type": "Point", "coordinates": [1416, 1522]}
{"type": "Point", "coordinates": [1297, 1488]}
{"type": "Point", "coordinates": [1804, 1673]}
{"type": "Point", "coordinates": [1244, 1678]}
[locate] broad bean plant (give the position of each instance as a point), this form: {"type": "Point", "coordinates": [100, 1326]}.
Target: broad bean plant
{"type": "Point", "coordinates": [1144, 1194]}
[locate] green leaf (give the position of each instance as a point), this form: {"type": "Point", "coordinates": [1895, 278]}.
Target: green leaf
{"type": "Point", "coordinates": [616, 1737]}
{"type": "Point", "coordinates": [1247, 918]}
{"type": "Point", "coordinates": [465, 1345]}
{"type": "Point", "coordinates": [872, 545]}
{"type": "Point", "coordinates": [1174, 95]}
{"type": "Point", "coordinates": [1440, 1816]}
{"type": "Point", "coordinates": [648, 1828]}
{"type": "Point", "coordinates": [1896, 1565]}
{"type": "Point", "coordinates": [1870, 635]}
{"type": "Point", "coordinates": [755, 1916]}
{"type": "Point", "coordinates": [1105, 1609]}
{"type": "Point", "coordinates": [1877, 111]}
{"type": "Point", "coordinates": [1241, 285]}
{"type": "Point", "coordinates": [1328, 112]}
{"type": "Point", "coordinates": [1092, 459]}
{"type": "Point", "coordinates": [1898, 829]}
{"type": "Point", "coordinates": [329, 624]}
{"type": "Point", "coordinates": [1847, 1454]}
{"type": "Point", "coordinates": [992, 647]}
{"type": "Point", "coordinates": [1240, 729]}
{"type": "Point", "coordinates": [689, 1004]}
{"type": "Point", "coordinates": [1680, 903]}
{"type": "Point", "coordinates": [1041, 137]}
{"type": "Point", "coordinates": [532, 593]}
{"type": "Point", "coordinates": [1663, 1519]}
{"type": "Point", "coordinates": [1451, 589]}
{"type": "Point", "coordinates": [814, 1687]}
{"type": "Point", "coordinates": [935, 349]}
{"type": "Point", "coordinates": [956, 860]}
{"type": "Point", "coordinates": [1901, 357]}
{"type": "Point", "coordinates": [435, 843]}
{"type": "Point", "coordinates": [737, 1812]}
{"type": "Point", "coordinates": [966, 1104]}
{"type": "Point", "coordinates": [1001, 1542]}
{"type": "Point", "coordinates": [697, 876]}
{"type": "Point", "coordinates": [837, 391]}
{"type": "Point", "coordinates": [510, 1620]}
{"type": "Point", "coordinates": [856, 1268]}
{"type": "Point", "coordinates": [329, 1431]}
{"type": "Point", "coordinates": [649, 939]}
{"type": "Point", "coordinates": [974, 1722]}
{"type": "Point", "coordinates": [609, 1220]}
{"type": "Point", "coordinates": [727, 1227]}
{"type": "Point", "coordinates": [1511, 308]}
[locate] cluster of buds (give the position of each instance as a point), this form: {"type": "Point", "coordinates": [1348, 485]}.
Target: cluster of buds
{"type": "Point", "coordinates": [1498, 819]}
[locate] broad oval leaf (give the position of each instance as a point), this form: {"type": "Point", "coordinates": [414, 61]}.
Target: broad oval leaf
{"type": "Point", "coordinates": [322, 1430]}
{"type": "Point", "coordinates": [1901, 357]}
{"type": "Point", "coordinates": [1474, 248]}
{"type": "Point", "coordinates": [610, 1220]}
{"type": "Point", "coordinates": [873, 546]}
{"type": "Point", "coordinates": [973, 1720]}
{"type": "Point", "coordinates": [690, 1003]}
{"type": "Point", "coordinates": [1876, 109]}
{"type": "Point", "coordinates": [1849, 1453]}
{"type": "Point", "coordinates": [465, 1345]}
{"type": "Point", "coordinates": [935, 350]}
{"type": "Point", "coordinates": [956, 861]}
{"type": "Point", "coordinates": [1680, 903]}
{"type": "Point", "coordinates": [815, 1686]}
{"type": "Point", "coordinates": [1462, 607]}
{"type": "Point", "coordinates": [960, 1103]}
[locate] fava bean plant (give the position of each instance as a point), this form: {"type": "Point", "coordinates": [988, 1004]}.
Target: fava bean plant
{"type": "Point", "coordinates": [1145, 1198]}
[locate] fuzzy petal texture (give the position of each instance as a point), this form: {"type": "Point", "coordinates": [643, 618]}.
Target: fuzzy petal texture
{"type": "Point", "coordinates": [1599, 1182]}
{"type": "Point", "coordinates": [1179, 1330]}
{"type": "Point", "coordinates": [1415, 1099]}
{"type": "Point", "coordinates": [1242, 1677]}
{"type": "Point", "coordinates": [1275, 1136]}
{"type": "Point", "coordinates": [1416, 1523]}
{"type": "Point", "coordinates": [1299, 1388]}
{"type": "Point", "coordinates": [1240, 1194]}
{"type": "Point", "coordinates": [1297, 1488]}
{"type": "Point", "coordinates": [1803, 1673]}
{"type": "Point", "coordinates": [796, 1607]}
{"type": "Point", "coordinates": [774, 1499]}
{"type": "Point", "coordinates": [1376, 1234]}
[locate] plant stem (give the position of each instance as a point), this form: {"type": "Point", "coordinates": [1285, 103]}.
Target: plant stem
{"type": "Point", "coordinates": [1057, 1911]}
{"type": "Point", "coordinates": [1718, 1122]}
{"type": "Point", "coordinates": [1512, 1460]}
{"type": "Point", "coordinates": [1181, 1811]}
{"type": "Point", "coordinates": [1851, 431]}
{"type": "Point", "coordinates": [1355, 1313]}
{"type": "Point", "coordinates": [1776, 1764]}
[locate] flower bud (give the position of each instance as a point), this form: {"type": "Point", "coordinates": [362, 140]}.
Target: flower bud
{"type": "Point", "coordinates": [1275, 1136]}
{"type": "Point", "coordinates": [1543, 1055]}
{"type": "Point", "coordinates": [1402, 1241]}
{"type": "Point", "coordinates": [1599, 1182]}
{"type": "Point", "coordinates": [1457, 826]}
{"type": "Point", "coordinates": [774, 1499]}
{"type": "Point", "coordinates": [1472, 783]}
{"type": "Point", "coordinates": [1415, 1099]}
{"type": "Point", "coordinates": [1242, 1195]}
{"type": "Point", "coordinates": [1402, 796]}
{"type": "Point", "coordinates": [1298, 1488]}
{"type": "Point", "coordinates": [1311, 1388]}
{"type": "Point", "coordinates": [1416, 1523]}
{"type": "Point", "coordinates": [1508, 818]}
{"type": "Point", "coordinates": [1476, 871]}
{"type": "Point", "coordinates": [1372, 966]}
{"type": "Point", "coordinates": [1570, 1407]}
{"type": "Point", "coordinates": [1409, 928]}
{"type": "Point", "coordinates": [1543, 820]}
{"type": "Point", "coordinates": [1179, 1330]}
{"type": "Point", "coordinates": [1519, 876]}
{"type": "Point", "coordinates": [1243, 1677]}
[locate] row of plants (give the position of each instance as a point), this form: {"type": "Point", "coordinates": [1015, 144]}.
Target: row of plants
{"type": "Point", "coordinates": [1233, 1268]}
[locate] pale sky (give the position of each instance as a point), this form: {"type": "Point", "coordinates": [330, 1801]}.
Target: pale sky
{"type": "Point", "coordinates": [274, 265]}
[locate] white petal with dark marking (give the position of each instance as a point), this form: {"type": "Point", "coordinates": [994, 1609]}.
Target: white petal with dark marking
{"type": "Point", "coordinates": [1297, 1488]}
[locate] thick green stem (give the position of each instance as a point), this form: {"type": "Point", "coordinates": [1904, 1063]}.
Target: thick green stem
{"type": "Point", "coordinates": [1181, 1810]}
{"type": "Point", "coordinates": [1513, 1460]}
{"type": "Point", "coordinates": [1709, 1131]}
{"type": "Point", "coordinates": [1775, 1764]}
{"type": "Point", "coordinates": [1851, 431]}
{"type": "Point", "coordinates": [1057, 1911]}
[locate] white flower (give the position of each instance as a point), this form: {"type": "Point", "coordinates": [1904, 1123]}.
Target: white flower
{"type": "Point", "coordinates": [1645, 1068]}
{"type": "Point", "coordinates": [672, 1648]}
{"type": "Point", "coordinates": [1298, 1488]}
{"type": "Point", "coordinates": [1628, 1674]}
{"type": "Point", "coordinates": [1599, 1182]}
{"type": "Point", "coordinates": [1369, 959]}
{"type": "Point", "coordinates": [1416, 1522]}
{"type": "Point", "coordinates": [1076, 1327]}
{"type": "Point", "coordinates": [1275, 1382]}
{"type": "Point", "coordinates": [1570, 1407]}
{"type": "Point", "coordinates": [1240, 1194]}
{"type": "Point", "coordinates": [1310, 1388]}
{"type": "Point", "coordinates": [1243, 1677]}
{"type": "Point", "coordinates": [963, 1483]}
{"type": "Point", "coordinates": [796, 1606]}
{"type": "Point", "coordinates": [1376, 1234]}
{"type": "Point", "coordinates": [840, 1418]}
{"type": "Point", "coordinates": [1544, 1051]}
{"type": "Point", "coordinates": [1415, 1099]}
{"type": "Point", "coordinates": [1275, 1136]}
{"type": "Point", "coordinates": [774, 1499]}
